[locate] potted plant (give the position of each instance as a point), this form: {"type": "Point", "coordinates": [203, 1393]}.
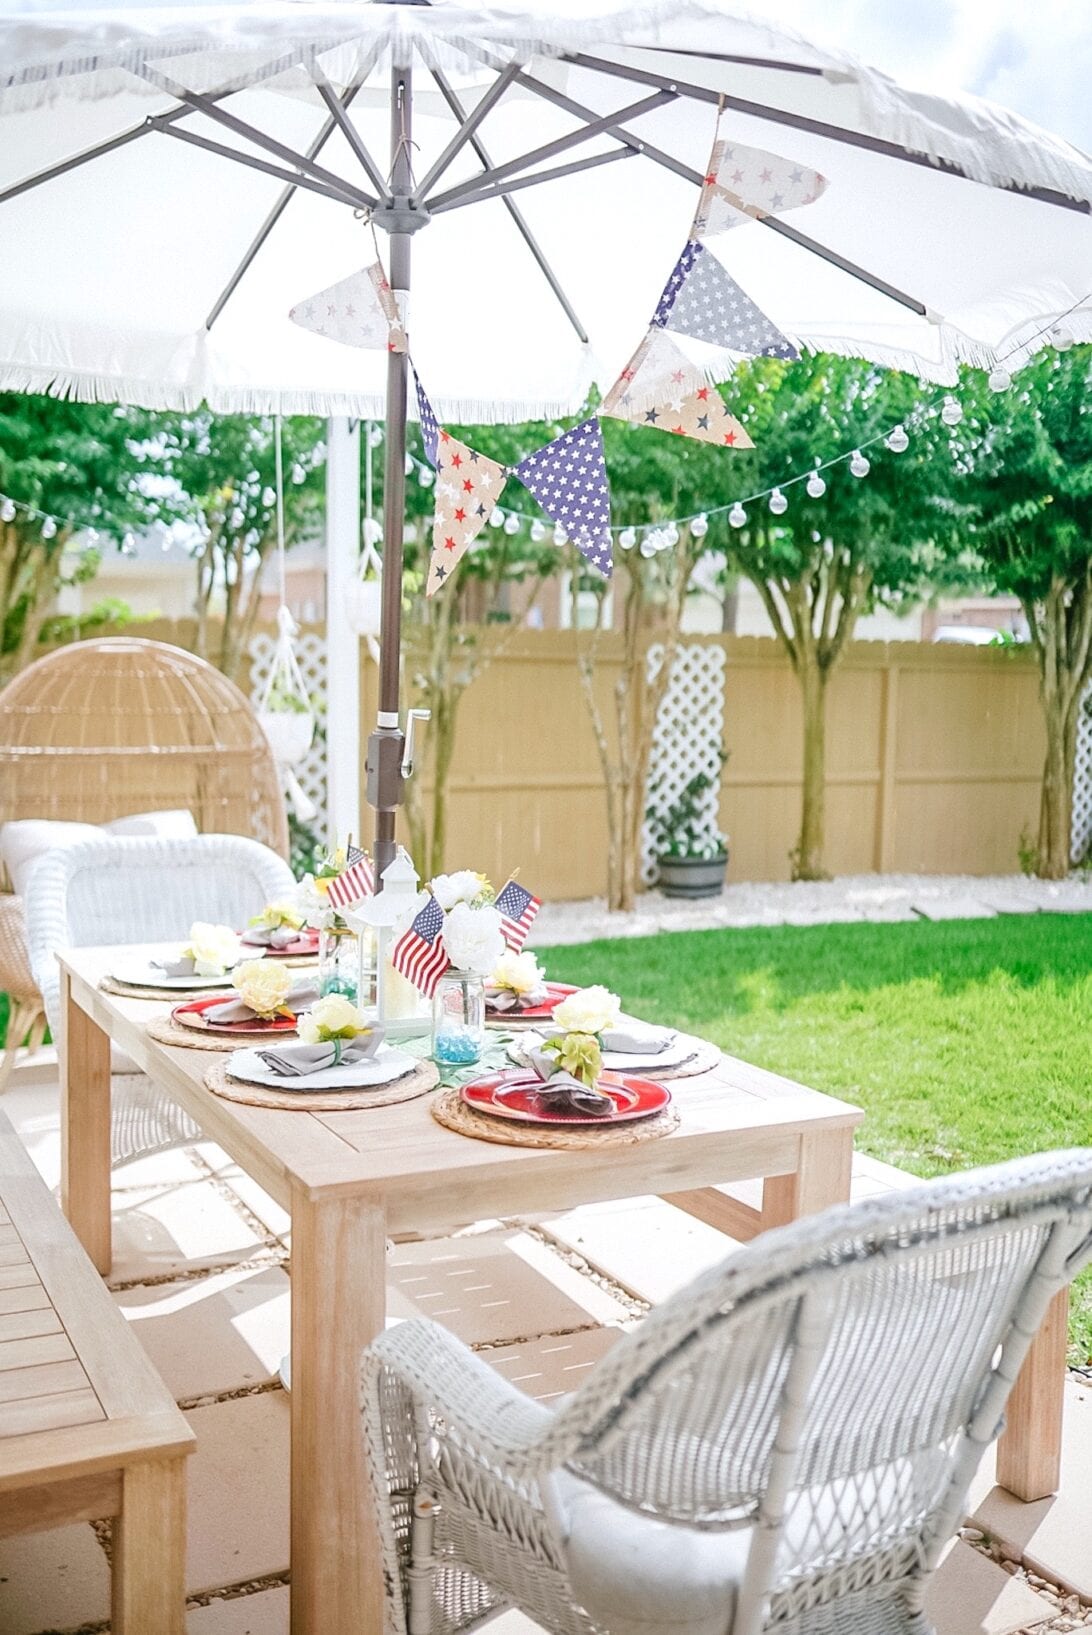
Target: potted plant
{"type": "Point", "coordinates": [691, 852]}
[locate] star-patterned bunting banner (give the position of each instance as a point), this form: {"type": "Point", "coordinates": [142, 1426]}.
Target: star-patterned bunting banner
{"type": "Point", "coordinates": [701, 300]}
{"type": "Point", "coordinates": [430, 429]}
{"type": "Point", "coordinates": [468, 486]}
{"type": "Point", "coordinates": [569, 480]}
{"type": "Point", "coordinates": [358, 311]}
{"type": "Point", "coordinates": [660, 387]}
{"type": "Point", "coordinates": [744, 184]}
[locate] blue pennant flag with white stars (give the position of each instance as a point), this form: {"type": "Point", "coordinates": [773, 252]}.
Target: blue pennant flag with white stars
{"type": "Point", "coordinates": [702, 300]}
{"type": "Point", "coordinates": [430, 429]}
{"type": "Point", "coordinates": [568, 478]}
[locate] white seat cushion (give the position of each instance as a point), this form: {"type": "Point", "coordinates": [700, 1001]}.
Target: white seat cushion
{"type": "Point", "coordinates": [639, 1576]}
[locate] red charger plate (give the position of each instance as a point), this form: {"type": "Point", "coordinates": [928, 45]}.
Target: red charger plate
{"type": "Point", "coordinates": [306, 943]}
{"type": "Point", "coordinates": [194, 1015]}
{"type": "Point", "coordinates": [513, 1094]}
{"type": "Point", "coordinates": [557, 992]}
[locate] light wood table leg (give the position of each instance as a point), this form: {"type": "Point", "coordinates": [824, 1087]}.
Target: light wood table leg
{"type": "Point", "coordinates": [338, 1307]}
{"type": "Point", "coordinates": [822, 1177]}
{"type": "Point", "coordinates": [1029, 1454]}
{"type": "Point", "coordinates": [85, 1128]}
{"type": "Point", "coordinates": [149, 1566]}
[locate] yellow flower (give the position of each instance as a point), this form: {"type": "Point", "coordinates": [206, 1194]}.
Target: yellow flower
{"type": "Point", "coordinates": [263, 984]}
{"type": "Point", "coordinates": [578, 1054]}
{"type": "Point", "coordinates": [332, 1017]}
{"type": "Point", "coordinates": [275, 915]}
{"type": "Point", "coordinates": [213, 948]}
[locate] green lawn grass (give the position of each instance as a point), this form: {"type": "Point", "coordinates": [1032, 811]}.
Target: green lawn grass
{"type": "Point", "coordinates": [966, 1041]}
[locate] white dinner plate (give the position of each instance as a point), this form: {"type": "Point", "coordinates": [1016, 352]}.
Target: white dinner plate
{"type": "Point", "coordinates": [617, 1061]}
{"type": "Point", "coordinates": [386, 1066]}
{"type": "Point", "coordinates": [140, 973]}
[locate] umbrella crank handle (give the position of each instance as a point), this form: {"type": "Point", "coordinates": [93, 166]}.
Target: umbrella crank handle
{"type": "Point", "coordinates": [412, 718]}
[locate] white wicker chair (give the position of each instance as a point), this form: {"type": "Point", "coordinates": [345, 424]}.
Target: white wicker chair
{"type": "Point", "coordinates": [124, 890]}
{"type": "Point", "coordinates": [784, 1445]}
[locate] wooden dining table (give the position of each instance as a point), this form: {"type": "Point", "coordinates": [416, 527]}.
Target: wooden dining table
{"type": "Point", "coordinates": [352, 1179]}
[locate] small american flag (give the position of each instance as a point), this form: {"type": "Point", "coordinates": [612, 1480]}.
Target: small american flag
{"type": "Point", "coordinates": [355, 881]}
{"type": "Point", "coordinates": [419, 953]}
{"type": "Point", "coordinates": [518, 909]}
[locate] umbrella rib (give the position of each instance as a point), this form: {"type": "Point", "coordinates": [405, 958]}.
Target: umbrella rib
{"type": "Point", "coordinates": [111, 144]}
{"type": "Point", "coordinates": [338, 112]}
{"type": "Point", "coordinates": [275, 214]}
{"type": "Point", "coordinates": [514, 183]}
{"type": "Point", "coordinates": [795, 236]}
{"type": "Point", "coordinates": [817, 127]}
{"type": "Point", "coordinates": [254, 163]}
{"type": "Point", "coordinates": [518, 218]}
{"type": "Point", "coordinates": [742, 62]}
{"type": "Point", "coordinates": [470, 123]}
{"type": "Point", "coordinates": [549, 150]}
{"type": "Point", "coordinates": [249, 133]}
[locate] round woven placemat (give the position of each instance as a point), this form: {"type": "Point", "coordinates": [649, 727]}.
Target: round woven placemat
{"type": "Point", "coordinates": [169, 996]}
{"type": "Point", "coordinates": [450, 1110]}
{"type": "Point", "coordinates": [423, 1078]}
{"type": "Point", "coordinates": [705, 1057]}
{"type": "Point", "coordinates": [167, 1031]}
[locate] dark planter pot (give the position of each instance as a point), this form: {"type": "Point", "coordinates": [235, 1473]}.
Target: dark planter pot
{"type": "Point", "coordinates": [692, 876]}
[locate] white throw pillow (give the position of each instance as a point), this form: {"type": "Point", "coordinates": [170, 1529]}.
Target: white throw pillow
{"type": "Point", "coordinates": [24, 840]}
{"type": "Point", "coordinates": [177, 825]}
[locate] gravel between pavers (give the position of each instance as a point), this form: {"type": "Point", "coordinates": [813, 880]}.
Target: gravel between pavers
{"type": "Point", "coordinates": [873, 897]}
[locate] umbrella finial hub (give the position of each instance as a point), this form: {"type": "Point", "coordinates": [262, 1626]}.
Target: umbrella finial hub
{"type": "Point", "coordinates": [401, 214]}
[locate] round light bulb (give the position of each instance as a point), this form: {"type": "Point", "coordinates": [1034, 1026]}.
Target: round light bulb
{"type": "Point", "coordinates": [426, 476]}
{"type": "Point", "coordinates": [816, 486]}
{"type": "Point", "coordinates": [49, 527]}
{"type": "Point", "coordinates": [561, 535]}
{"type": "Point", "coordinates": [897, 440]}
{"type": "Point", "coordinates": [699, 526]}
{"type": "Point", "coordinates": [7, 510]}
{"type": "Point", "coordinates": [648, 546]}
{"type": "Point", "coordinates": [952, 411]}
{"type": "Point", "coordinates": [409, 465]}
{"type": "Point", "coordinates": [538, 531]}
{"type": "Point", "coordinates": [1000, 380]}
{"type": "Point", "coordinates": [298, 474]}
{"type": "Point", "coordinates": [669, 536]}
{"type": "Point", "coordinates": [496, 517]}
{"type": "Point", "coordinates": [627, 539]}
{"type": "Point", "coordinates": [737, 516]}
{"type": "Point", "coordinates": [511, 523]}
{"type": "Point", "coordinates": [778, 503]}
{"type": "Point", "coordinates": [1061, 338]}
{"type": "Point", "coordinates": [859, 465]}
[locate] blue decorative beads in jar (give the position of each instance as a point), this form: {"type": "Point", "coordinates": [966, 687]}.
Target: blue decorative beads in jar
{"type": "Point", "coordinates": [458, 1019]}
{"type": "Point", "coordinates": [339, 961]}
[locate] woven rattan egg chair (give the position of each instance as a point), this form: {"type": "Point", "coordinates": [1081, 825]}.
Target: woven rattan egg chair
{"type": "Point", "coordinates": [101, 729]}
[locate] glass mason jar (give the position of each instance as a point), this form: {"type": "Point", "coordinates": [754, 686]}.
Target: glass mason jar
{"type": "Point", "coordinates": [339, 961]}
{"type": "Point", "coordinates": [458, 1019]}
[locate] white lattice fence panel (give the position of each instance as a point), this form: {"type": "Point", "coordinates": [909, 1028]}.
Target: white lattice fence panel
{"type": "Point", "coordinates": [688, 737]}
{"type": "Point", "coordinates": [1081, 833]}
{"type": "Point", "coordinates": [311, 653]}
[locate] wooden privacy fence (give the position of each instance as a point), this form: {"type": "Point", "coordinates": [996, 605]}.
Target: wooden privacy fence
{"type": "Point", "coordinates": [934, 755]}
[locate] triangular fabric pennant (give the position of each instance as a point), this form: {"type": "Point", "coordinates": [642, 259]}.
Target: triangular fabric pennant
{"type": "Point", "coordinates": [357, 311]}
{"type": "Point", "coordinates": [660, 387]}
{"type": "Point", "coordinates": [701, 299]}
{"type": "Point", "coordinates": [468, 486]}
{"type": "Point", "coordinates": [430, 429]}
{"type": "Point", "coordinates": [744, 184]}
{"type": "Point", "coordinates": [568, 478]}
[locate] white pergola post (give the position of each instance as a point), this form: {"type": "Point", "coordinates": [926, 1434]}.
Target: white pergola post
{"type": "Point", "coordinates": [342, 640]}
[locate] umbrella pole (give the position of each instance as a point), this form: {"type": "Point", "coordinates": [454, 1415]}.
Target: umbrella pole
{"type": "Point", "coordinates": [384, 780]}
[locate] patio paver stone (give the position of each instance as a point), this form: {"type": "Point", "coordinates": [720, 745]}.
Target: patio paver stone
{"type": "Point", "coordinates": [238, 1494]}
{"type": "Point", "coordinates": [209, 1335]}
{"type": "Point", "coordinates": [54, 1580]}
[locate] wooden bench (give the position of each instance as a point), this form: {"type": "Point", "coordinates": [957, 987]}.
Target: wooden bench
{"type": "Point", "coordinates": [87, 1428]}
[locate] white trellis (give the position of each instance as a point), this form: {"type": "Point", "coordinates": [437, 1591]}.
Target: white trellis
{"type": "Point", "coordinates": [1081, 833]}
{"type": "Point", "coordinates": [688, 736]}
{"type": "Point", "coordinates": [311, 656]}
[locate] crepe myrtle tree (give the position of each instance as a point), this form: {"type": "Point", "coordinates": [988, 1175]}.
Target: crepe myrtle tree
{"type": "Point", "coordinates": [887, 538]}
{"type": "Point", "coordinates": [1026, 459]}
{"type": "Point", "coordinates": [220, 475]}
{"type": "Point", "coordinates": [68, 460]}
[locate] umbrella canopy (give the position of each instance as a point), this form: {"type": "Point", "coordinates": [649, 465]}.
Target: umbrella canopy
{"type": "Point", "coordinates": [145, 260]}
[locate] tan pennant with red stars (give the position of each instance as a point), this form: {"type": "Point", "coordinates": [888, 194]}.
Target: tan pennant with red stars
{"type": "Point", "coordinates": [468, 486]}
{"type": "Point", "coordinates": [660, 387]}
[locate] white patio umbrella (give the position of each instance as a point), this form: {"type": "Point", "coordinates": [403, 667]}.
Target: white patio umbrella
{"type": "Point", "coordinates": [174, 178]}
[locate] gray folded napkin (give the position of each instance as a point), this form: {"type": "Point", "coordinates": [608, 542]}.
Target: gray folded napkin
{"type": "Point", "coordinates": [636, 1040]}
{"type": "Point", "coordinates": [562, 1092]}
{"type": "Point", "coordinates": [264, 936]}
{"type": "Point", "coordinates": [184, 965]}
{"type": "Point", "coordinates": [300, 998]}
{"type": "Point", "coordinates": [296, 1061]}
{"type": "Point", "coordinates": [503, 999]}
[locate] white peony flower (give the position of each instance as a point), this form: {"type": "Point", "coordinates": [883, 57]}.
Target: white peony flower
{"type": "Point", "coordinates": [263, 984]}
{"type": "Point", "coordinates": [589, 1010]}
{"type": "Point", "coordinates": [520, 973]}
{"type": "Point", "coordinates": [473, 938]}
{"type": "Point", "coordinates": [332, 1017]}
{"type": "Point", "coordinates": [461, 887]}
{"type": "Point", "coordinates": [213, 948]}
{"type": "Point", "coordinates": [310, 902]}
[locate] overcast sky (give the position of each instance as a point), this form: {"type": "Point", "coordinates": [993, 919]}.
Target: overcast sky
{"type": "Point", "coordinates": [1035, 58]}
